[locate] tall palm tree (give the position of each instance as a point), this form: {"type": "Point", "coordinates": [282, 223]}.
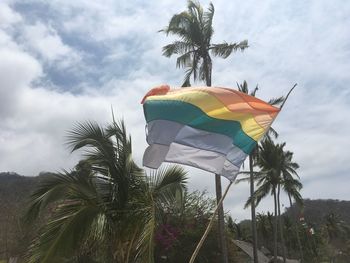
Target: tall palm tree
{"type": "Point", "coordinates": [253, 156]}
{"type": "Point", "coordinates": [263, 228]}
{"type": "Point", "coordinates": [267, 180]}
{"type": "Point", "coordinates": [272, 167]}
{"type": "Point", "coordinates": [107, 202]}
{"type": "Point", "coordinates": [194, 49]}
{"type": "Point", "coordinates": [290, 185]}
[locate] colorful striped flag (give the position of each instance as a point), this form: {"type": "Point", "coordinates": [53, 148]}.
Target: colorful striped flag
{"type": "Point", "coordinates": [210, 128]}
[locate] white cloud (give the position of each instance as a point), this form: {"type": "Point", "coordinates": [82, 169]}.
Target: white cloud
{"type": "Point", "coordinates": [114, 20]}
{"type": "Point", "coordinates": [7, 16]}
{"type": "Point", "coordinates": [44, 41]}
{"type": "Point", "coordinates": [17, 70]}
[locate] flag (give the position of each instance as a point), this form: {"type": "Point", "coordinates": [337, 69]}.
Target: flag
{"type": "Point", "coordinates": [210, 128]}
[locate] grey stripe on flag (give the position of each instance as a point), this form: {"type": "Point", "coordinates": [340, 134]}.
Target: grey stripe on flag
{"type": "Point", "coordinates": [187, 155]}
{"type": "Point", "coordinates": [154, 155]}
{"type": "Point", "coordinates": [166, 132]}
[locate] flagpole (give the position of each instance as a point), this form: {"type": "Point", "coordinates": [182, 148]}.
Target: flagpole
{"type": "Point", "coordinates": [200, 243]}
{"type": "Point", "coordinates": [284, 101]}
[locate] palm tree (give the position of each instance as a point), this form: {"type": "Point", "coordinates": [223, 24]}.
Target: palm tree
{"type": "Point", "coordinates": [267, 180]}
{"type": "Point", "coordinates": [253, 156]}
{"type": "Point", "coordinates": [195, 29]}
{"type": "Point", "coordinates": [290, 185]}
{"type": "Point", "coordinates": [263, 227]}
{"type": "Point", "coordinates": [107, 202]}
{"type": "Point", "coordinates": [272, 167]}
{"type": "Point", "coordinates": [194, 49]}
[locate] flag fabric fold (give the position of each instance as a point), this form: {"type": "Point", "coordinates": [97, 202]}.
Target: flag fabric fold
{"type": "Point", "coordinates": [210, 128]}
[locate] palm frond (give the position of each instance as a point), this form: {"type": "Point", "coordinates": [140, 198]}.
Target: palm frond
{"type": "Point", "coordinates": [208, 23]}
{"type": "Point", "coordinates": [193, 70]}
{"type": "Point", "coordinates": [184, 60]}
{"type": "Point", "coordinates": [259, 194]}
{"type": "Point", "coordinates": [276, 101]}
{"type": "Point", "coordinates": [77, 207]}
{"type": "Point", "coordinates": [52, 188]}
{"type": "Point", "coordinates": [195, 9]}
{"type": "Point", "coordinates": [63, 235]}
{"type": "Point", "coordinates": [224, 50]}
{"type": "Point", "coordinates": [169, 187]}
{"type": "Point", "coordinates": [177, 47]}
{"type": "Point", "coordinates": [178, 25]}
{"type": "Point", "coordinates": [271, 133]}
{"type": "Point", "coordinates": [145, 244]}
{"type": "Point", "coordinates": [186, 83]}
{"type": "Point", "coordinates": [88, 134]}
{"type": "Point", "coordinates": [243, 87]}
{"type": "Point", "coordinates": [247, 178]}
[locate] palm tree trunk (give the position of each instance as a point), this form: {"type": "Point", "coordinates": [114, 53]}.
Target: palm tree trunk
{"type": "Point", "coordinates": [252, 206]}
{"type": "Point", "coordinates": [275, 227]}
{"type": "Point", "coordinates": [222, 236]}
{"type": "Point", "coordinates": [221, 221]}
{"type": "Point", "coordinates": [281, 224]}
{"type": "Point", "coordinates": [296, 230]}
{"type": "Point", "coordinates": [207, 69]}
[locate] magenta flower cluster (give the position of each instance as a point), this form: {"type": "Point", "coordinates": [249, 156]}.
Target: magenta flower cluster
{"type": "Point", "coordinates": [166, 236]}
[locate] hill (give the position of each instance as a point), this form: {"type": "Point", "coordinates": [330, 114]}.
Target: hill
{"type": "Point", "coordinates": [14, 192]}
{"type": "Point", "coordinates": [315, 211]}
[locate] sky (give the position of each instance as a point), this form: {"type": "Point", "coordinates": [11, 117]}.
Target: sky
{"type": "Point", "coordinates": [64, 62]}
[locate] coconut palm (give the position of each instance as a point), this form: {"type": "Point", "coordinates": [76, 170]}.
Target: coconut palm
{"type": "Point", "coordinates": [268, 179]}
{"type": "Point", "coordinates": [292, 187]}
{"type": "Point", "coordinates": [194, 49]}
{"type": "Point", "coordinates": [263, 228]}
{"type": "Point", "coordinates": [106, 202]}
{"type": "Point", "coordinates": [273, 165]}
{"type": "Point", "coordinates": [253, 156]}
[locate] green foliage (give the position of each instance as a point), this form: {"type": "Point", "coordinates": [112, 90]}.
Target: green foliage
{"type": "Point", "coordinates": [195, 30]}
{"type": "Point", "coordinates": [107, 209]}
{"type": "Point", "coordinates": [276, 168]}
{"type": "Point", "coordinates": [315, 212]}
{"type": "Point", "coordinates": [180, 232]}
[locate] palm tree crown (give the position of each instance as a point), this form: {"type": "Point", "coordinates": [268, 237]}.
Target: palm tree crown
{"type": "Point", "coordinates": [276, 168]}
{"type": "Point", "coordinates": [195, 30]}
{"type": "Point", "coordinates": [106, 202]}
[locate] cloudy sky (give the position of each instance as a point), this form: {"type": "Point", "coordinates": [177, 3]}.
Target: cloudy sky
{"type": "Point", "coordinates": [64, 61]}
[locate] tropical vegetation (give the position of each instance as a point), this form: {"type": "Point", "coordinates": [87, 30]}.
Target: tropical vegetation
{"type": "Point", "coordinates": [108, 209]}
